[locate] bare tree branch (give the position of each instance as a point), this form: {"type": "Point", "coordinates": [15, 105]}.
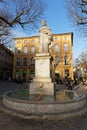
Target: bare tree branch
{"type": "Point", "coordinates": [84, 1]}
{"type": "Point", "coordinates": [77, 13]}
{"type": "Point", "coordinates": [23, 13]}
{"type": "Point", "coordinates": [83, 61]}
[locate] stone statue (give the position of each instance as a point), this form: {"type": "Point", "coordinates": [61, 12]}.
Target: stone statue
{"type": "Point", "coordinates": [45, 37]}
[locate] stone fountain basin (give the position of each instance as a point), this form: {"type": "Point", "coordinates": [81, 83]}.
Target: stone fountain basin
{"type": "Point", "coordinates": [45, 107]}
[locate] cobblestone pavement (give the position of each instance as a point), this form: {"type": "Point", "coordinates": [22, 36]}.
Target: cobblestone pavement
{"type": "Point", "coordinates": [9, 122]}
{"type": "Point", "coordinates": [9, 85]}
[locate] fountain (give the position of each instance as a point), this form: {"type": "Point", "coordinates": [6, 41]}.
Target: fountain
{"type": "Point", "coordinates": [42, 102]}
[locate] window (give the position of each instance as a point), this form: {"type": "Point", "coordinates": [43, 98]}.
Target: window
{"type": "Point", "coordinates": [33, 49]}
{"type": "Point", "coordinates": [66, 60]}
{"type": "Point", "coordinates": [24, 62]}
{"type": "Point", "coordinates": [24, 75]}
{"type": "Point", "coordinates": [25, 50]}
{"type": "Point", "coordinates": [17, 74]}
{"type": "Point", "coordinates": [56, 39]}
{"type": "Point", "coordinates": [25, 42]}
{"type": "Point", "coordinates": [18, 42]}
{"type": "Point", "coordinates": [18, 50]}
{"type": "Point", "coordinates": [32, 74]}
{"type": "Point", "coordinates": [18, 62]}
{"type": "Point", "coordinates": [65, 38]}
{"type": "Point", "coordinates": [32, 62]}
{"type": "Point", "coordinates": [56, 47]}
{"type": "Point", "coordinates": [66, 47]}
{"type": "Point", "coordinates": [57, 60]}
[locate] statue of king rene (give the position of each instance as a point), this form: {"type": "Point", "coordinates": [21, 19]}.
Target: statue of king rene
{"type": "Point", "coordinates": [45, 38]}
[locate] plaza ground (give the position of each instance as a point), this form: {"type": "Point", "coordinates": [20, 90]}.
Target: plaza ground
{"type": "Point", "coordinates": [9, 122]}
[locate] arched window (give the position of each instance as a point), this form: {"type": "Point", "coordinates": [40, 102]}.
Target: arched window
{"type": "Point", "coordinates": [25, 50]}
{"type": "Point", "coordinates": [56, 47]}
{"type": "Point", "coordinates": [66, 47]}
{"type": "Point", "coordinates": [25, 42]}
{"type": "Point", "coordinates": [18, 42]}
{"type": "Point", "coordinates": [33, 49]}
{"type": "Point", "coordinates": [18, 50]}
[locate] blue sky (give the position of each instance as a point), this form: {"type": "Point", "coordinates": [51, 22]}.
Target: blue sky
{"type": "Point", "coordinates": [56, 18]}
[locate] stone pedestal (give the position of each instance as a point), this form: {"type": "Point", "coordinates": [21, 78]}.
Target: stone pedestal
{"type": "Point", "coordinates": [42, 83]}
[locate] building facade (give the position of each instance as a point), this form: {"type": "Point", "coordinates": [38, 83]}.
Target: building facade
{"type": "Point", "coordinates": [6, 62]}
{"type": "Point", "coordinates": [26, 49]}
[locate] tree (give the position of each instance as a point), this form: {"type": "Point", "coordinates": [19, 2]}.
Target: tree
{"type": "Point", "coordinates": [83, 56]}
{"type": "Point", "coordinates": [83, 62]}
{"type": "Point", "coordinates": [23, 13]}
{"type": "Point", "coordinates": [77, 13]}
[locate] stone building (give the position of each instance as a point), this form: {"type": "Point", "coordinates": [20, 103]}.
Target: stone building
{"type": "Point", "coordinates": [6, 62]}
{"type": "Point", "coordinates": [27, 47]}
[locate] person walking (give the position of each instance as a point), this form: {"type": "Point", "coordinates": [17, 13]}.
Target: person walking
{"type": "Point", "coordinates": [70, 84]}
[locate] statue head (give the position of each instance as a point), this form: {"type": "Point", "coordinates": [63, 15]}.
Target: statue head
{"type": "Point", "coordinates": [43, 22]}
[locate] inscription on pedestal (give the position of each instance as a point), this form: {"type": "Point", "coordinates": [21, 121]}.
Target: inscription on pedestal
{"type": "Point", "coordinates": [42, 68]}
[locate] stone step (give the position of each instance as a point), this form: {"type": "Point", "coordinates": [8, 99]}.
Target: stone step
{"type": "Point", "coordinates": [57, 116]}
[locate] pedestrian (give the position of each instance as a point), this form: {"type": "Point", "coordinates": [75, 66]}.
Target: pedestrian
{"type": "Point", "coordinates": [70, 84]}
{"type": "Point", "coordinates": [66, 80]}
